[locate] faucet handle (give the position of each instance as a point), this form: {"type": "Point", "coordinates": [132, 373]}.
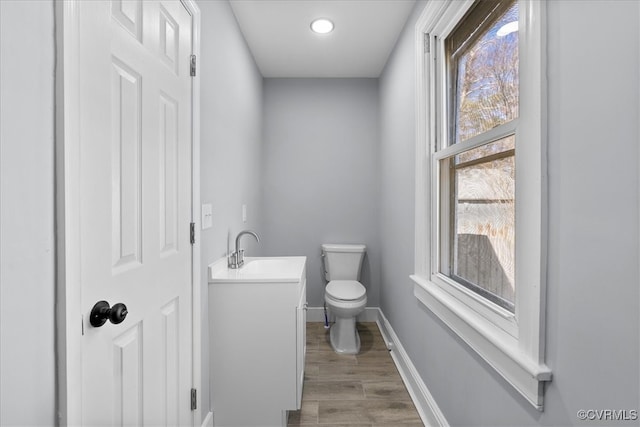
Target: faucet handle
{"type": "Point", "coordinates": [232, 260]}
{"type": "Point", "coordinates": [235, 259]}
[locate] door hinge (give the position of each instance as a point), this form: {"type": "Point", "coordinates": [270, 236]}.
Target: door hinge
{"type": "Point", "coordinates": [194, 399]}
{"type": "Point", "coordinates": [427, 44]}
{"type": "Point", "coordinates": [192, 232]}
{"type": "Point", "coordinates": [192, 62]}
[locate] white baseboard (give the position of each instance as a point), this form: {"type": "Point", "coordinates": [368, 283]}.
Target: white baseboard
{"type": "Point", "coordinates": [316, 314]}
{"type": "Point", "coordinates": [425, 403]}
{"type": "Point", "coordinates": [208, 420]}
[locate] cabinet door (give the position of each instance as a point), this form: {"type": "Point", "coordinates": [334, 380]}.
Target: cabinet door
{"type": "Point", "coordinates": [301, 342]}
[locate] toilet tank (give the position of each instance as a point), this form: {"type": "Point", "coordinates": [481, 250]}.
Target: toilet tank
{"type": "Point", "coordinates": [342, 262]}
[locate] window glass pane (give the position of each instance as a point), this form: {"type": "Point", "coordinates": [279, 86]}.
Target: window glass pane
{"type": "Point", "coordinates": [483, 227]}
{"type": "Point", "coordinates": [484, 72]}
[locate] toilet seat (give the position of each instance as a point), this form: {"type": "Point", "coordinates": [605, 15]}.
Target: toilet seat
{"type": "Point", "coordinates": [345, 290]}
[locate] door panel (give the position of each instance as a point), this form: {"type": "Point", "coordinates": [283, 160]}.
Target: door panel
{"type": "Point", "coordinates": [168, 140]}
{"type": "Point", "coordinates": [135, 210]}
{"type": "Point", "coordinates": [126, 170]}
{"type": "Point", "coordinates": [169, 30]}
{"type": "Point", "coordinates": [128, 13]}
{"type": "Point", "coordinates": [171, 356]}
{"type": "Point", "coordinates": [127, 374]}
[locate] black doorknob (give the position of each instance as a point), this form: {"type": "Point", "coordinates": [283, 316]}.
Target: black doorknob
{"type": "Point", "coordinates": [101, 312]}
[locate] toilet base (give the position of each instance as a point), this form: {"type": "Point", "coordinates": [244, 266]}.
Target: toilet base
{"type": "Point", "coordinates": [344, 336]}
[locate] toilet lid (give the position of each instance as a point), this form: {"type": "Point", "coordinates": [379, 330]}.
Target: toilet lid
{"type": "Point", "coordinates": [346, 290]}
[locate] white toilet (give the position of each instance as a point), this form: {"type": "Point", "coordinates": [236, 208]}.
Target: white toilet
{"type": "Point", "coordinates": [344, 294]}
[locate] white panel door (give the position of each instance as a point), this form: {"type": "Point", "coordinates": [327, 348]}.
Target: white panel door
{"type": "Point", "coordinates": [135, 210]}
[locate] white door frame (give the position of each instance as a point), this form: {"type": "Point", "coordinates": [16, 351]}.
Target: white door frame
{"type": "Point", "coordinates": [68, 291]}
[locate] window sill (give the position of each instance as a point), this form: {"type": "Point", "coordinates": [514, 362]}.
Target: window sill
{"type": "Point", "coordinates": [498, 348]}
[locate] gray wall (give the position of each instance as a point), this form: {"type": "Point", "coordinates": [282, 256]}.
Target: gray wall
{"type": "Point", "coordinates": [592, 303]}
{"type": "Point", "coordinates": [27, 275]}
{"type": "Point", "coordinates": [592, 343]}
{"type": "Point", "coordinates": [231, 139]}
{"type": "Point", "coordinates": [320, 182]}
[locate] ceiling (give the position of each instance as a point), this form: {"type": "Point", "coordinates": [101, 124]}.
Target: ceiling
{"type": "Point", "coordinates": [279, 36]}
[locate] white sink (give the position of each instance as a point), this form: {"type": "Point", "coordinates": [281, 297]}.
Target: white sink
{"type": "Point", "coordinates": [259, 269]}
{"type": "Point", "coordinates": [266, 266]}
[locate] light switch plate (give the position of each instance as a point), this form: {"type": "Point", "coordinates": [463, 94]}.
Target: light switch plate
{"type": "Point", "coordinates": [207, 216]}
{"type": "Point", "coordinates": [244, 213]}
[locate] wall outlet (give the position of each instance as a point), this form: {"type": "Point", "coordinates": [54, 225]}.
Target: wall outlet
{"type": "Point", "coordinates": [207, 216]}
{"type": "Point", "coordinates": [244, 213]}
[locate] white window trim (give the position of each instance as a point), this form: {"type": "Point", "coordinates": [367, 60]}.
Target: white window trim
{"type": "Point", "coordinates": [513, 344]}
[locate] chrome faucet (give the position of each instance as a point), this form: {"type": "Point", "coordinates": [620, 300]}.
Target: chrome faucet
{"type": "Point", "coordinates": [236, 259]}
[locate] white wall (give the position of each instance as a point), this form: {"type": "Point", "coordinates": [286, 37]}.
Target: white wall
{"type": "Point", "coordinates": [230, 155]}
{"type": "Point", "coordinates": [320, 182]}
{"type": "Point", "coordinates": [231, 137]}
{"type": "Point", "coordinates": [27, 275]}
{"type": "Point", "coordinates": [593, 296]}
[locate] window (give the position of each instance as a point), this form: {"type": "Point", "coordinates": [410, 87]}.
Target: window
{"type": "Point", "coordinates": [480, 176]}
{"type": "Point", "coordinates": [477, 182]}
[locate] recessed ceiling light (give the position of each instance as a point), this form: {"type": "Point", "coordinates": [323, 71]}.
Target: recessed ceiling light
{"type": "Point", "coordinates": [322, 26]}
{"type": "Point", "coordinates": [508, 28]}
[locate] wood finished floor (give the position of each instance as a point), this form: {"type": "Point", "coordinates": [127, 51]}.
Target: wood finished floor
{"type": "Point", "coordinates": [363, 390]}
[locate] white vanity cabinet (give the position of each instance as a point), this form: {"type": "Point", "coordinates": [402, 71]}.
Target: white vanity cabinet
{"type": "Point", "coordinates": [257, 339]}
{"type": "Point", "coordinates": [301, 341]}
